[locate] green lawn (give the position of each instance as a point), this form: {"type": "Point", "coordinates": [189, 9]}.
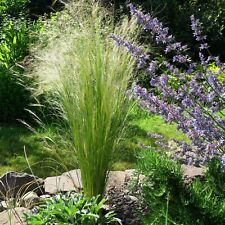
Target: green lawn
{"type": "Point", "coordinates": [51, 161]}
{"type": "Point", "coordinates": [140, 124]}
{"type": "Point", "coordinates": [15, 140]}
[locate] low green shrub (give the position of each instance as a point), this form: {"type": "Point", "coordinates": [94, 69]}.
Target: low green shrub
{"type": "Point", "coordinates": [13, 8]}
{"type": "Point", "coordinates": [208, 196]}
{"type": "Point", "coordinates": [163, 188]}
{"type": "Point", "coordinates": [72, 209]}
{"type": "Point", "coordinates": [14, 41]}
{"type": "Point", "coordinates": [171, 201]}
{"type": "Point", "coordinates": [15, 36]}
{"type": "Point", "coordinates": [28, 8]}
{"type": "Point", "coordinates": [14, 98]}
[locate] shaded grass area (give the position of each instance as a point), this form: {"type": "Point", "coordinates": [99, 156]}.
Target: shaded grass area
{"type": "Point", "coordinates": [50, 162]}
{"type": "Point", "coordinates": [17, 141]}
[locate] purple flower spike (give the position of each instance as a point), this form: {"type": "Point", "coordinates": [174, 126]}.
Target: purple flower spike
{"type": "Point", "coordinates": [184, 92]}
{"type": "Point", "coordinates": [136, 52]}
{"type": "Point", "coordinates": [196, 26]}
{"type": "Point", "coordinates": [223, 161]}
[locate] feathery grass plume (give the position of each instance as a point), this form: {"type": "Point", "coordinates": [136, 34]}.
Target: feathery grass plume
{"type": "Point", "coordinates": [90, 76]}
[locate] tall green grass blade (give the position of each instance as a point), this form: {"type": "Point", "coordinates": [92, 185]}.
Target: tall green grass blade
{"type": "Point", "coordinates": [91, 76]}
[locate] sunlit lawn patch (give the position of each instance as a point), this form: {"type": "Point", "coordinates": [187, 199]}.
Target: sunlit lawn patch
{"type": "Point", "coordinates": [14, 139]}
{"type": "Point", "coordinates": [140, 124]}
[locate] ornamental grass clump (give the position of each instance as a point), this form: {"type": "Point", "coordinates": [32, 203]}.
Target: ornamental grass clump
{"type": "Point", "coordinates": [90, 76]}
{"type": "Point", "coordinates": [183, 91]}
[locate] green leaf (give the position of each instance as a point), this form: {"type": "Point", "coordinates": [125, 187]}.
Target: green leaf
{"type": "Point", "coordinates": [14, 40]}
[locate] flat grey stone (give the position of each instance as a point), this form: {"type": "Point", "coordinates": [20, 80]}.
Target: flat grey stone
{"type": "Point", "coordinates": [129, 174]}
{"type": "Point", "coordinates": [13, 184]}
{"type": "Point", "coordinates": [29, 199]}
{"type": "Point", "coordinates": [45, 196]}
{"type": "Point", "coordinates": [192, 172]}
{"type": "Point", "coordinates": [13, 216]}
{"type": "Point", "coordinates": [75, 176]}
{"type": "Point", "coordinates": [116, 179]}
{"type": "Point", "coordinates": [71, 181]}
{"type": "Point", "coordinates": [3, 206]}
{"type": "Point", "coordinates": [68, 181]}
{"type": "Point", "coordinates": [57, 184]}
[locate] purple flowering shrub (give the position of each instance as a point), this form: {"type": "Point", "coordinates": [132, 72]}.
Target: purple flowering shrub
{"type": "Point", "coordinates": [196, 102]}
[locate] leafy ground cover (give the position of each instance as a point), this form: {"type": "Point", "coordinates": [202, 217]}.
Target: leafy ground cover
{"type": "Point", "coordinates": [14, 138]}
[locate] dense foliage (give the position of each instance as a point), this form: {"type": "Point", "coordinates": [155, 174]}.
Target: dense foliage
{"type": "Point", "coordinates": [72, 209]}
{"type": "Point", "coordinates": [176, 13]}
{"type": "Point", "coordinates": [16, 35]}
{"type": "Point", "coordinates": [171, 201]}
{"type": "Point", "coordinates": [14, 97]}
{"type": "Point", "coordinates": [13, 9]}
{"type": "Point", "coordinates": [28, 8]}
